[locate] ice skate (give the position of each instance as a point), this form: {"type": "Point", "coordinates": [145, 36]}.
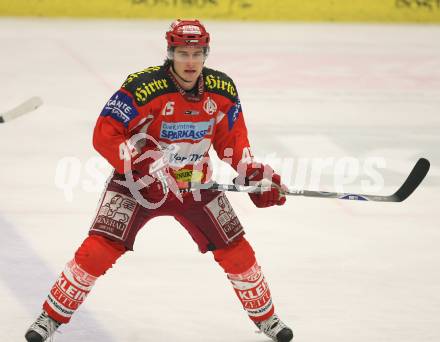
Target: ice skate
{"type": "Point", "coordinates": [42, 329]}
{"type": "Point", "coordinates": [274, 328]}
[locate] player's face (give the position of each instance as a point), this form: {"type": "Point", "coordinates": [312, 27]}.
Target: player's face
{"type": "Point", "coordinates": [188, 63]}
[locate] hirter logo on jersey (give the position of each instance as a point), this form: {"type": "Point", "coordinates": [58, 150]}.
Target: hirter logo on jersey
{"type": "Point", "coordinates": [120, 107]}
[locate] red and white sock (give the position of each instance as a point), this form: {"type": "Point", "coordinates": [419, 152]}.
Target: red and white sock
{"type": "Point", "coordinates": [68, 292]}
{"type": "Point", "coordinates": [253, 292]}
{"type": "Point", "coordinates": [92, 259]}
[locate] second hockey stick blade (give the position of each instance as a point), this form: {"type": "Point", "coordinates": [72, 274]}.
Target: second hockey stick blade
{"type": "Point", "coordinates": [24, 108]}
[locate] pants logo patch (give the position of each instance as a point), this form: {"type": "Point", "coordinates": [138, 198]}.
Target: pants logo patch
{"type": "Point", "coordinates": [114, 214]}
{"type": "Point", "coordinates": [224, 217]}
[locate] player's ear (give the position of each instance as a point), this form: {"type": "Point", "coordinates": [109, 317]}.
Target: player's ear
{"type": "Point", "coordinates": [170, 53]}
{"type": "Point", "coordinates": [205, 53]}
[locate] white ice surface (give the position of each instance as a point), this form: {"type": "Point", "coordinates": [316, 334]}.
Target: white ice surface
{"type": "Point", "coordinates": [339, 271]}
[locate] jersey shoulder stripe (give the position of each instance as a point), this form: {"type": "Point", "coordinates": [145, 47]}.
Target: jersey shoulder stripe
{"type": "Point", "coordinates": [148, 84]}
{"type": "Point", "coordinates": [219, 83]}
{"type": "Point", "coordinates": [121, 108]}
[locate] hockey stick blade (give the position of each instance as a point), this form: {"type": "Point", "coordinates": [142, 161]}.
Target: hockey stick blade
{"type": "Point", "coordinates": [414, 179]}
{"type": "Point", "coordinates": [24, 108]}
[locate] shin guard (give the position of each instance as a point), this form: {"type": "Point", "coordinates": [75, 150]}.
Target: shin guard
{"type": "Point", "coordinates": [242, 269]}
{"type": "Point", "coordinates": [68, 293]}
{"type": "Point", "coordinates": [254, 294]}
{"type": "Point", "coordinates": [95, 256]}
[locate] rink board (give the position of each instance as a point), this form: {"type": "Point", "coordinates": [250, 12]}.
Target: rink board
{"type": "Point", "coordinates": [285, 10]}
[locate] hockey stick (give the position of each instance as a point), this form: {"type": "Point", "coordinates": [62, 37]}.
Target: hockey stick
{"type": "Point", "coordinates": [26, 107]}
{"type": "Point", "coordinates": [415, 177]}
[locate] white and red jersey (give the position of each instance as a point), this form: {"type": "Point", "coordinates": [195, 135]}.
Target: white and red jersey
{"type": "Point", "coordinates": [151, 101]}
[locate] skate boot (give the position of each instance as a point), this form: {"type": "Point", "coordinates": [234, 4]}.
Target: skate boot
{"type": "Point", "coordinates": [42, 329]}
{"type": "Point", "coordinates": [274, 328]}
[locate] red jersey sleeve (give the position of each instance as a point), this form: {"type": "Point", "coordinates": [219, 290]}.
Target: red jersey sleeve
{"type": "Point", "coordinates": [111, 130]}
{"type": "Point", "coordinates": [231, 138]}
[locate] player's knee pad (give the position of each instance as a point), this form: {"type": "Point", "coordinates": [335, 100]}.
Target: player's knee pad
{"type": "Point", "coordinates": [236, 258]}
{"type": "Point", "coordinates": [97, 254]}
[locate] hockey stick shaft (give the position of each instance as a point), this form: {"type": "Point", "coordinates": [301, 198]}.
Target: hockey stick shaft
{"type": "Point", "coordinates": [414, 179]}
{"type": "Point", "coordinates": [24, 108]}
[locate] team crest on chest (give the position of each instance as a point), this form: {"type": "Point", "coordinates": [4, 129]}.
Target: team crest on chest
{"type": "Point", "coordinates": [210, 106]}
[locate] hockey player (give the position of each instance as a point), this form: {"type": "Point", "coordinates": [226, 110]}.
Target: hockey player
{"type": "Point", "coordinates": [179, 110]}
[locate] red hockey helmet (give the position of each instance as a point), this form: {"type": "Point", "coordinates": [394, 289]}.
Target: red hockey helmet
{"type": "Point", "coordinates": [187, 32]}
